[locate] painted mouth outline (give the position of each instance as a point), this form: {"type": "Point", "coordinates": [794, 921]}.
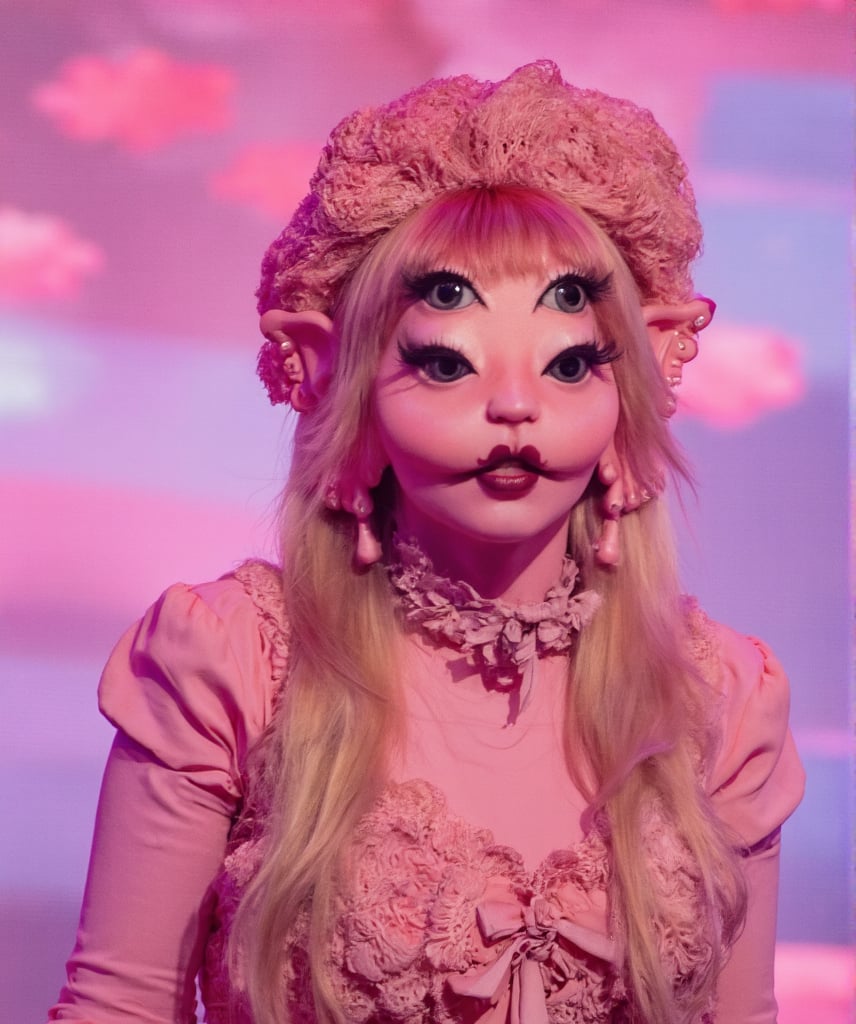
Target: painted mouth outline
{"type": "Point", "coordinates": [526, 461]}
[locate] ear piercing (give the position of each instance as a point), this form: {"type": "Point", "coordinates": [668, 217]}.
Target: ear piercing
{"type": "Point", "coordinates": [699, 321]}
{"type": "Point", "coordinates": [292, 370]}
{"type": "Point", "coordinates": [368, 548]}
{"type": "Point", "coordinates": [331, 497]}
{"type": "Point", "coordinates": [360, 507]}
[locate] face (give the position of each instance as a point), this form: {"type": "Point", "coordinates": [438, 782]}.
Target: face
{"type": "Point", "coordinates": [493, 404]}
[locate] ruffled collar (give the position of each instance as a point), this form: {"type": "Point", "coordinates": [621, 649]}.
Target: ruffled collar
{"type": "Point", "coordinates": [504, 640]}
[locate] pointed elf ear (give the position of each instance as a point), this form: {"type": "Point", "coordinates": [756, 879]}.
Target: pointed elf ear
{"type": "Point", "coordinates": [296, 361]}
{"type": "Point", "coordinates": [673, 330]}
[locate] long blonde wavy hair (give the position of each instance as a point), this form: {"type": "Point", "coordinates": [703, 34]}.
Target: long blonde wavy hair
{"type": "Point", "coordinates": [636, 720]}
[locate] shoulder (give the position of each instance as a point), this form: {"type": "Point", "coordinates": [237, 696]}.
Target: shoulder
{"type": "Point", "coordinates": [204, 663]}
{"type": "Point", "coordinates": [755, 778]}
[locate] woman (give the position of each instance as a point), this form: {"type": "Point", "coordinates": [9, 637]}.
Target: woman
{"type": "Point", "coordinates": [469, 755]}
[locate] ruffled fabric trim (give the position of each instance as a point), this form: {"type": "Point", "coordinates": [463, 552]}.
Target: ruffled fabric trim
{"type": "Point", "coordinates": [503, 639]}
{"type": "Point", "coordinates": [435, 923]}
{"type": "Point", "coordinates": [440, 924]}
{"type": "Point", "coordinates": [262, 583]}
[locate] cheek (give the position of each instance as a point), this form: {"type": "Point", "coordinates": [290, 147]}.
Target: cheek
{"type": "Point", "coordinates": [585, 431]}
{"type": "Point", "coordinates": [414, 446]}
{"type": "Point", "coordinates": [417, 430]}
{"type": "Point", "coordinates": [397, 427]}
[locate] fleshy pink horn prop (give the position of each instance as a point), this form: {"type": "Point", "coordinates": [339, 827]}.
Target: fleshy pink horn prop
{"type": "Point", "coordinates": [674, 331]}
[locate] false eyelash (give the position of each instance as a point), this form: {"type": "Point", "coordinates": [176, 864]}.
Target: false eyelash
{"type": "Point", "coordinates": [592, 353]}
{"type": "Point", "coordinates": [596, 287]}
{"type": "Point", "coordinates": [419, 285]}
{"type": "Point", "coordinates": [589, 353]}
{"type": "Point", "coordinates": [418, 354]}
{"type": "Point", "coordinates": [598, 355]}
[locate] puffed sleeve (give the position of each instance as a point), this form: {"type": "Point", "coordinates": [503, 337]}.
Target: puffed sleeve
{"type": "Point", "coordinates": [756, 783]}
{"type": "Point", "coordinates": [189, 689]}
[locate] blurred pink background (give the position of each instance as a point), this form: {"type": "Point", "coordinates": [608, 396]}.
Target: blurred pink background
{"type": "Point", "coordinates": [150, 151]}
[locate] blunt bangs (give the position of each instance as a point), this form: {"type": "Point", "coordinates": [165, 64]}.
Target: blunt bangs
{"type": "Point", "coordinates": [488, 233]}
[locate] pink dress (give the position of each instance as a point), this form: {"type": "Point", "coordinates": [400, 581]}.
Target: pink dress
{"type": "Point", "coordinates": [474, 894]}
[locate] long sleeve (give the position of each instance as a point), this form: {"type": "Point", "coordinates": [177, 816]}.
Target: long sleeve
{"type": "Point", "coordinates": [189, 689]}
{"type": "Point", "coordinates": [756, 783]}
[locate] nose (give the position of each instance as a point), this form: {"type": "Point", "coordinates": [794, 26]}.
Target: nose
{"type": "Point", "coordinates": [513, 400]}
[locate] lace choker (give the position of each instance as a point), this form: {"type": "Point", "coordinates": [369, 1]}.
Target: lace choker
{"type": "Point", "coordinates": [503, 639]}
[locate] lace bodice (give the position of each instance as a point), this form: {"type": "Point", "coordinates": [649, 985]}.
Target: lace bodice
{"type": "Point", "coordinates": [436, 922]}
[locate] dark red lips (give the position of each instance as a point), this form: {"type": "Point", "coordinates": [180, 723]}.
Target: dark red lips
{"type": "Point", "coordinates": [507, 474]}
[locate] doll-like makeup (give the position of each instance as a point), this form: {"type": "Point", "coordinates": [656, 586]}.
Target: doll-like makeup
{"type": "Point", "coordinates": [493, 402]}
{"type": "Point", "coordinates": [443, 289]}
{"type": "Point", "coordinates": [449, 290]}
{"type": "Point", "coordinates": [441, 362]}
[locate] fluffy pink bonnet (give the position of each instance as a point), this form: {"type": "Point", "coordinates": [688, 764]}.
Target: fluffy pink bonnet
{"type": "Point", "coordinates": [602, 154]}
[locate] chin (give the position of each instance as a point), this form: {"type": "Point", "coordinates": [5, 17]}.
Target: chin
{"type": "Point", "coordinates": [479, 519]}
{"type": "Point", "coordinates": [514, 530]}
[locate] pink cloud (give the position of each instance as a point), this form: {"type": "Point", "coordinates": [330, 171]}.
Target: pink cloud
{"type": "Point", "coordinates": [42, 257]}
{"type": "Point", "coordinates": [142, 100]}
{"type": "Point", "coordinates": [272, 178]}
{"type": "Point", "coordinates": [741, 374]}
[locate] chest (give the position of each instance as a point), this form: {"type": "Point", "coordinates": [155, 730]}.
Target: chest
{"type": "Point", "coordinates": [500, 767]}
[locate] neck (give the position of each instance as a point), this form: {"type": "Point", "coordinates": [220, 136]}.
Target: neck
{"type": "Point", "coordinates": [516, 572]}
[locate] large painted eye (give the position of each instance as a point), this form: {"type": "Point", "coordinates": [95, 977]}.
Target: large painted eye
{"type": "Point", "coordinates": [445, 368]}
{"type": "Point", "coordinates": [567, 295]}
{"type": "Point", "coordinates": [570, 366]}
{"type": "Point", "coordinates": [444, 289]}
{"type": "Point", "coordinates": [574, 364]}
{"type": "Point", "coordinates": [437, 363]}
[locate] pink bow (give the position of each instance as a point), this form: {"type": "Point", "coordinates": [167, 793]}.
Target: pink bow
{"type": "Point", "coordinates": [536, 949]}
